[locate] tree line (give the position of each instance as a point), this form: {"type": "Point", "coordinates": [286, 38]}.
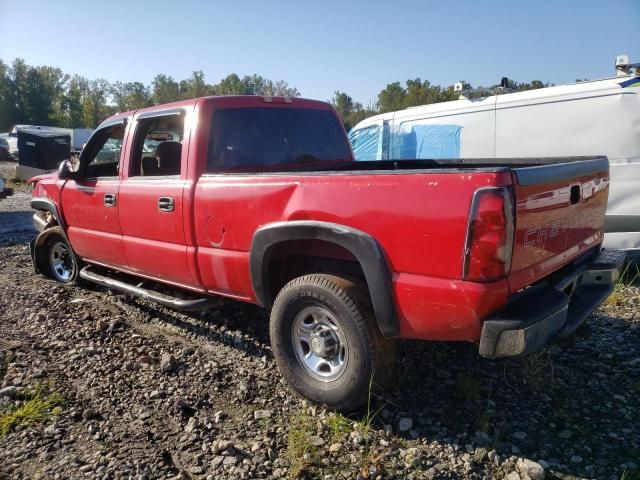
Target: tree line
{"type": "Point", "coordinates": [45, 95]}
{"type": "Point", "coordinates": [396, 96]}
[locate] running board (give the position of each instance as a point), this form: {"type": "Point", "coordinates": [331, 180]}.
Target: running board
{"type": "Point", "coordinates": [166, 300]}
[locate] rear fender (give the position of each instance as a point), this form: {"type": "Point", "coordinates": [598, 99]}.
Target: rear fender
{"type": "Point", "coordinates": [361, 245]}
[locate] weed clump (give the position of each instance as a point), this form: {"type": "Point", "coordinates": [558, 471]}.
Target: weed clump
{"type": "Point", "coordinates": [39, 405]}
{"type": "Point", "coordinates": [301, 453]}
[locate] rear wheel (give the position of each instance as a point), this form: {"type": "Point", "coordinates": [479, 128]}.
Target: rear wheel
{"type": "Point", "coordinates": [326, 342]}
{"type": "Point", "coordinates": [57, 260]}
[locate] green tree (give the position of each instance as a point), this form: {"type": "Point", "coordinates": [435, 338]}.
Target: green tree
{"type": "Point", "coordinates": [130, 96]}
{"type": "Point", "coordinates": [255, 85]}
{"type": "Point", "coordinates": [343, 104]}
{"type": "Point", "coordinates": [94, 103]}
{"type": "Point", "coordinates": [195, 86]}
{"type": "Point", "coordinates": [391, 98]}
{"type": "Point", "coordinates": [164, 89]}
{"type": "Point", "coordinates": [37, 93]}
{"type": "Point", "coordinates": [230, 85]}
{"type": "Point", "coordinates": [8, 111]}
{"type": "Point", "coordinates": [350, 112]}
{"type": "Point", "coordinates": [538, 84]}
{"type": "Point", "coordinates": [280, 89]}
{"type": "Point", "coordinates": [76, 91]}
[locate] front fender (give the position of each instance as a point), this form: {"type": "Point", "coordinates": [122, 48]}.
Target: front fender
{"type": "Point", "coordinates": [41, 203]}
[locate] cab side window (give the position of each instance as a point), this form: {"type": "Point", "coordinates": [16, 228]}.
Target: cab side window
{"type": "Point", "coordinates": [157, 150]}
{"type": "Point", "coordinates": [101, 157]}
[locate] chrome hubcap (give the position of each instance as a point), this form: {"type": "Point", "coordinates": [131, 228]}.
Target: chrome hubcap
{"type": "Point", "coordinates": [319, 343]}
{"type": "Point", "coordinates": [62, 262]}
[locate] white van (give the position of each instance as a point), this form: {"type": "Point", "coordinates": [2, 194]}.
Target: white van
{"type": "Point", "coordinates": [599, 117]}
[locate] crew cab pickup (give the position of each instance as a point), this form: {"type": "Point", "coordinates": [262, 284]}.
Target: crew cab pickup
{"type": "Point", "coordinates": [259, 199]}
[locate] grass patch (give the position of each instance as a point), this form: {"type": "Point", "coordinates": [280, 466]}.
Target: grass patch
{"type": "Point", "coordinates": [630, 274]}
{"type": "Point", "coordinates": [38, 406]}
{"type": "Point", "coordinates": [630, 474]}
{"type": "Point", "coordinates": [15, 181]}
{"type": "Point", "coordinates": [301, 453]}
{"type": "Point", "coordinates": [365, 426]}
{"type": "Point", "coordinates": [338, 426]}
{"type": "Point", "coordinates": [629, 277]}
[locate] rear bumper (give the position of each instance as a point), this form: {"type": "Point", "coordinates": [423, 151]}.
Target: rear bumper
{"type": "Point", "coordinates": [552, 309]}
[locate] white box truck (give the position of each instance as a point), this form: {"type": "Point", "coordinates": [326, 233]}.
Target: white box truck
{"type": "Point", "coordinates": [600, 117]}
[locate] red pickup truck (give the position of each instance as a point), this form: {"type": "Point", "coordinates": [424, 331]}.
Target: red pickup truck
{"type": "Point", "coordinates": [259, 199]}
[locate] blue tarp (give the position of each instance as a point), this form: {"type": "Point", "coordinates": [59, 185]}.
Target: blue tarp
{"type": "Point", "coordinates": [365, 143]}
{"type": "Point", "coordinates": [428, 141]}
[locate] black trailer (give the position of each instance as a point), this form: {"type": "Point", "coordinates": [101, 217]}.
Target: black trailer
{"type": "Point", "coordinates": [43, 149]}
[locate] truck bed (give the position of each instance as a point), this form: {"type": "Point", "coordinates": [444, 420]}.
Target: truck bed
{"type": "Point", "coordinates": [416, 166]}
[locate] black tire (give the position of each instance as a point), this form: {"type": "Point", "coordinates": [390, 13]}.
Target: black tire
{"type": "Point", "coordinates": [369, 356]}
{"type": "Point", "coordinates": [56, 259]}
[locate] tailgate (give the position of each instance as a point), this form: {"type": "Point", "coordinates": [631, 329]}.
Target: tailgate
{"type": "Point", "coordinates": [559, 215]}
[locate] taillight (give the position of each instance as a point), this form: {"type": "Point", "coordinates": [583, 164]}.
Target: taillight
{"type": "Point", "coordinates": [489, 244]}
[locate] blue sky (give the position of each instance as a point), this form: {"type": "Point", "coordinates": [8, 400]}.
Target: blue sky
{"type": "Point", "coordinates": [322, 46]}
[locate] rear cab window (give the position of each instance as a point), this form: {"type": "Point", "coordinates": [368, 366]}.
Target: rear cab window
{"type": "Point", "coordinates": [272, 138]}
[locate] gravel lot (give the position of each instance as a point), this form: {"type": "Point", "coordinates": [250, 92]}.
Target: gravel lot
{"type": "Point", "coordinates": [140, 391]}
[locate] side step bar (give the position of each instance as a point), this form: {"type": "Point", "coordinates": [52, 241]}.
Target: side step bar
{"type": "Point", "coordinates": [166, 300]}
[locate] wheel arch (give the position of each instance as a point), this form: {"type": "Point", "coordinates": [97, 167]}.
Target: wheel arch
{"type": "Point", "coordinates": [364, 248]}
{"type": "Point", "coordinates": [47, 205]}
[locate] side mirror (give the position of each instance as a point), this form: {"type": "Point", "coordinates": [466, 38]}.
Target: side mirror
{"type": "Point", "coordinates": [65, 171]}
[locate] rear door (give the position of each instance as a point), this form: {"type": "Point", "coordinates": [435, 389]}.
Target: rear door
{"type": "Point", "coordinates": [90, 202]}
{"type": "Point", "coordinates": [151, 198]}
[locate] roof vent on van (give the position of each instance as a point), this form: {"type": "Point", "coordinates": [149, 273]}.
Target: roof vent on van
{"type": "Point", "coordinates": [624, 68]}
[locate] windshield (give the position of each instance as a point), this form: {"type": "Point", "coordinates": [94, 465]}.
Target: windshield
{"type": "Point", "coordinates": [247, 138]}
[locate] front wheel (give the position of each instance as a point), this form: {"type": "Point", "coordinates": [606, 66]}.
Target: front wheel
{"type": "Point", "coordinates": [326, 342]}
{"type": "Point", "coordinates": [57, 260]}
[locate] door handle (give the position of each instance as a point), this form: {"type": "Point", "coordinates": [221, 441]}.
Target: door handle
{"type": "Point", "coordinates": [109, 199]}
{"type": "Point", "coordinates": [166, 204]}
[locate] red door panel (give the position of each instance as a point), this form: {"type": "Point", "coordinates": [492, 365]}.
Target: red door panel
{"type": "Point", "coordinates": [153, 234]}
{"type": "Point", "coordinates": [93, 227]}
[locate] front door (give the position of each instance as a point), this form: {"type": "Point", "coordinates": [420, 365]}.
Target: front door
{"type": "Point", "coordinates": [151, 199]}
{"type": "Point", "coordinates": [90, 201]}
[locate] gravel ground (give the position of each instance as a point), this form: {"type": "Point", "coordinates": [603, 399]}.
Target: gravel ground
{"type": "Point", "coordinates": [146, 392]}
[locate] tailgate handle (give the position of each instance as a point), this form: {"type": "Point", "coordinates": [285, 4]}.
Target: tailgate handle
{"type": "Point", "coordinates": [165, 204]}
{"type": "Point", "coordinates": [575, 194]}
